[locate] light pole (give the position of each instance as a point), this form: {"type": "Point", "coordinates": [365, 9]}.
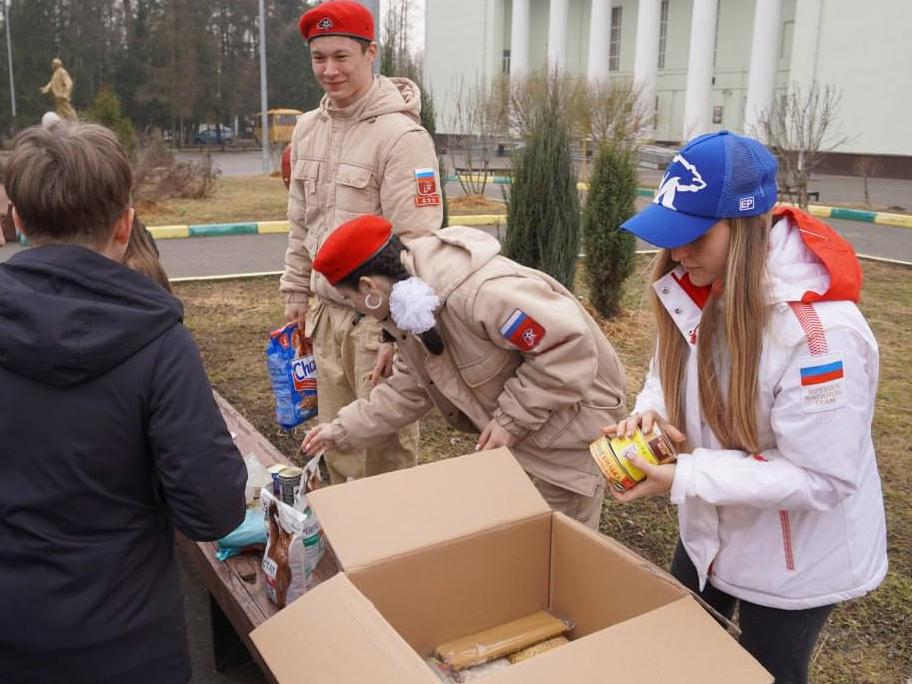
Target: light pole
{"type": "Point", "coordinates": [374, 7]}
{"type": "Point", "coordinates": [9, 60]}
{"type": "Point", "coordinates": [264, 127]}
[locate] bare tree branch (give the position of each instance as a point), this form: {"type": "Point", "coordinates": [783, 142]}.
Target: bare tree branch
{"type": "Point", "coordinates": [799, 129]}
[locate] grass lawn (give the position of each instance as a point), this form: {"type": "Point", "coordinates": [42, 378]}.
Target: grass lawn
{"type": "Point", "coordinates": [235, 200]}
{"type": "Point", "coordinates": [867, 641]}
{"type": "Point", "coordinates": [263, 198]}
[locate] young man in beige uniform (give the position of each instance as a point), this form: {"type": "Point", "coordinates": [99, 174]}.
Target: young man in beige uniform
{"type": "Point", "coordinates": [361, 151]}
{"type": "Point", "coordinates": [499, 349]}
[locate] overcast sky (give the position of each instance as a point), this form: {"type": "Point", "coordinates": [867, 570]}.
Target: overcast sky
{"type": "Point", "coordinates": [417, 37]}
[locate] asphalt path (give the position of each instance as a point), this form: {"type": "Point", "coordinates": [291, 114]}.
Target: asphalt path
{"type": "Point", "coordinates": [249, 254]}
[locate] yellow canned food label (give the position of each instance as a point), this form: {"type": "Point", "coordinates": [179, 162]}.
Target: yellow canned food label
{"type": "Point", "coordinates": [612, 456]}
{"type": "Point", "coordinates": [653, 448]}
{"type": "Point", "coordinates": [611, 468]}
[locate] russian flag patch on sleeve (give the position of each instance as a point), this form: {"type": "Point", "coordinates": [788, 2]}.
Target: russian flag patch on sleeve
{"type": "Point", "coordinates": [822, 382]}
{"type": "Point", "coordinates": [522, 330]}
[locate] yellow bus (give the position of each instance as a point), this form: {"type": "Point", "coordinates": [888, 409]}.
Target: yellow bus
{"type": "Point", "coordinates": [281, 125]}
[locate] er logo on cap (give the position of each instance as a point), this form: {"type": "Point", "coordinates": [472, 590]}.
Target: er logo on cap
{"type": "Point", "coordinates": [325, 24]}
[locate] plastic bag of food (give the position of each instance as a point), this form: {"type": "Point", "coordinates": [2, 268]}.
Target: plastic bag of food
{"type": "Point", "coordinates": [293, 375]}
{"type": "Point", "coordinates": [471, 674]}
{"type": "Point", "coordinates": [258, 477]}
{"type": "Point", "coordinates": [537, 649]}
{"type": "Point", "coordinates": [294, 547]}
{"type": "Point", "coordinates": [250, 535]}
{"type": "Point", "coordinates": [443, 672]}
{"type": "Point", "coordinates": [311, 479]}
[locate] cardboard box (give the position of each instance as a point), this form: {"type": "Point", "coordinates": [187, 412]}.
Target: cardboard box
{"type": "Point", "coordinates": [450, 548]}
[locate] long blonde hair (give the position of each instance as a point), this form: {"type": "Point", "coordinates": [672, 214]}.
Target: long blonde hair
{"type": "Point", "coordinates": [738, 305]}
{"type": "Point", "coordinates": [142, 255]}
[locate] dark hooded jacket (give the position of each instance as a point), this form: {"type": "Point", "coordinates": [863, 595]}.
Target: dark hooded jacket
{"type": "Point", "coordinates": [109, 439]}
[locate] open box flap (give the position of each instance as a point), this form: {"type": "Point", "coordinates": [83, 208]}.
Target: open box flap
{"type": "Point", "coordinates": [678, 643]}
{"type": "Point", "coordinates": [333, 634]}
{"type": "Point", "coordinates": [581, 556]}
{"type": "Point", "coordinates": [396, 513]}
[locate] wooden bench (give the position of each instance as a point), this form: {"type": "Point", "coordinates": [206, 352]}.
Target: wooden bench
{"type": "Point", "coordinates": [237, 597]}
{"type": "Point", "coordinates": [506, 172]}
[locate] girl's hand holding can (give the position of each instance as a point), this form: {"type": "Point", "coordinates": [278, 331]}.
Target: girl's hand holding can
{"type": "Point", "coordinates": [318, 439]}
{"type": "Point", "coordinates": [645, 420]}
{"type": "Point", "coordinates": [659, 479]}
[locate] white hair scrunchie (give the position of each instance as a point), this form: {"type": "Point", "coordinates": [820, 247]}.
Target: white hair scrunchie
{"type": "Point", "coordinates": [412, 305]}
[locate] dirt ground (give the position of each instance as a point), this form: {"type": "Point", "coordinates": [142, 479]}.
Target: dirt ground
{"type": "Point", "coordinates": [866, 641]}
{"type": "Point", "coordinates": [474, 204]}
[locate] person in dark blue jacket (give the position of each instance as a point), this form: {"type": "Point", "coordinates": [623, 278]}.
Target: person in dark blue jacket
{"type": "Point", "coordinates": [109, 434]}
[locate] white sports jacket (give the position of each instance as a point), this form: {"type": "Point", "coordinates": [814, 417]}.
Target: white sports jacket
{"type": "Point", "coordinates": [800, 524]}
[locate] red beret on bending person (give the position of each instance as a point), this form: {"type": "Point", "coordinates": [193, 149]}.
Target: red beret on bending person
{"type": "Point", "coordinates": [351, 245]}
{"type": "Point", "coordinates": [337, 18]}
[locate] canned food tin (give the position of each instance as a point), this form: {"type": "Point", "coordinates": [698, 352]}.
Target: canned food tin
{"type": "Point", "coordinates": [274, 470]}
{"type": "Point", "coordinates": [289, 484]}
{"type": "Point", "coordinates": [611, 456]}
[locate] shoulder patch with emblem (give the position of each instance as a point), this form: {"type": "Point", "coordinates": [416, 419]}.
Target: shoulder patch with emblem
{"type": "Point", "coordinates": [427, 195]}
{"type": "Point", "coordinates": [822, 382]}
{"type": "Point", "coordinates": [522, 330]}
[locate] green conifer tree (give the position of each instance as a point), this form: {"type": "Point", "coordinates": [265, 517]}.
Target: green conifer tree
{"type": "Point", "coordinates": [106, 110]}
{"type": "Point", "coordinates": [609, 250]}
{"type": "Point", "coordinates": [543, 220]}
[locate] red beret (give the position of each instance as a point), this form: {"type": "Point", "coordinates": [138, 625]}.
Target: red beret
{"type": "Point", "coordinates": [337, 18]}
{"type": "Point", "coordinates": [351, 245]}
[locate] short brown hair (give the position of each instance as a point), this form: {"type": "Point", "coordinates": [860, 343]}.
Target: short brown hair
{"type": "Point", "coordinates": [69, 182]}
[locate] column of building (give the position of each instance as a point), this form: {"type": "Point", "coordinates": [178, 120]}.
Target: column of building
{"type": "Point", "coordinates": [761, 84]}
{"type": "Point", "coordinates": [599, 40]}
{"type": "Point", "coordinates": [519, 40]}
{"type": "Point", "coordinates": [557, 34]}
{"type": "Point", "coordinates": [700, 69]}
{"type": "Point", "coordinates": [697, 104]}
{"type": "Point", "coordinates": [646, 64]}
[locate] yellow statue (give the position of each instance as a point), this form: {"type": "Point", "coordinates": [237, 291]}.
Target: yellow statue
{"type": "Point", "coordinates": [61, 88]}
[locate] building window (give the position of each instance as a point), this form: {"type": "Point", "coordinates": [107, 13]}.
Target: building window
{"type": "Point", "coordinates": [785, 44]}
{"type": "Point", "coordinates": [614, 47]}
{"type": "Point", "coordinates": [663, 33]}
{"type": "Point", "coordinates": [505, 64]}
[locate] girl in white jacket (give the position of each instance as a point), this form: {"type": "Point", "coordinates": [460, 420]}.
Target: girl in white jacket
{"type": "Point", "coordinates": [765, 374]}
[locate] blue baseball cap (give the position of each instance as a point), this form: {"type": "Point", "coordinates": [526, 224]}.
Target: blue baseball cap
{"type": "Point", "coordinates": [715, 176]}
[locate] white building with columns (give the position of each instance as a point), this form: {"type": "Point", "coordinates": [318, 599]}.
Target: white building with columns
{"type": "Point", "coordinates": [706, 64]}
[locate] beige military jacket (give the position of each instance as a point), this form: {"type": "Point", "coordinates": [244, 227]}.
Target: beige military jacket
{"type": "Point", "coordinates": [372, 157]}
{"type": "Point", "coordinates": [520, 348]}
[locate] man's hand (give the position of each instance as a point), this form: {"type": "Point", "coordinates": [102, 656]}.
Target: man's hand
{"type": "Point", "coordinates": [495, 435]}
{"type": "Point", "coordinates": [659, 479]}
{"type": "Point", "coordinates": [318, 439]}
{"type": "Point", "coordinates": [296, 312]}
{"type": "Point", "coordinates": [383, 368]}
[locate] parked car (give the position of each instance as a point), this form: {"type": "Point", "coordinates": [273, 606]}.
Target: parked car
{"type": "Point", "coordinates": [210, 136]}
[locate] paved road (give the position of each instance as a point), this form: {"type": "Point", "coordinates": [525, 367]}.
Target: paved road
{"type": "Point", "coordinates": [884, 192]}
{"type": "Point", "coordinates": [199, 257]}
{"type": "Point", "coordinates": [231, 164]}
